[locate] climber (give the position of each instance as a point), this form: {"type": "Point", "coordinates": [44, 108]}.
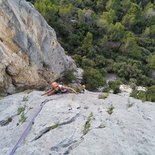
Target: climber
{"type": "Point", "coordinates": [57, 88]}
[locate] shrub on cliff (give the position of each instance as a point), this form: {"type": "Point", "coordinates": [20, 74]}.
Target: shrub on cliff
{"type": "Point", "coordinates": [111, 36]}
{"type": "Point", "coordinates": [68, 76]}
{"type": "Point", "coordinates": [114, 85]}
{"type": "Point", "coordinates": [148, 95]}
{"type": "Point", "coordinates": [139, 95]}
{"type": "Point", "coordinates": [151, 94]}
{"type": "Point", "coordinates": [93, 78]}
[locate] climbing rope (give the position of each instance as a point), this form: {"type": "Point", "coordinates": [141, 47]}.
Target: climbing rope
{"type": "Point", "coordinates": [26, 131]}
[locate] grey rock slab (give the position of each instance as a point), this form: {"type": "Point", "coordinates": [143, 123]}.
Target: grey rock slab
{"type": "Point", "coordinates": [61, 123]}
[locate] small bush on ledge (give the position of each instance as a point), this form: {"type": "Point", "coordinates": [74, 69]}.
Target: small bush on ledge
{"type": "Point", "coordinates": [139, 94]}
{"type": "Point", "coordinates": [148, 95]}
{"type": "Point", "coordinates": [68, 76]}
{"type": "Point", "coordinates": [114, 85]}
{"type": "Point", "coordinates": [103, 96]}
{"type": "Point", "coordinates": [93, 78]}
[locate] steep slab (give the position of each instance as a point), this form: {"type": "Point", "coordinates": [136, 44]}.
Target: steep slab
{"type": "Point", "coordinates": [80, 124]}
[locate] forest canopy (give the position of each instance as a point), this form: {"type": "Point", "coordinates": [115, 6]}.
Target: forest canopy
{"type": "Point", "coordinates": [106, 36]}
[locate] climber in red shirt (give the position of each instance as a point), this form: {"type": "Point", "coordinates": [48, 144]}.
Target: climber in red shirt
{"type": "Point", "coordinates": [57, 88]}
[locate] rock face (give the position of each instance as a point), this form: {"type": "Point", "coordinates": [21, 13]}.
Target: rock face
{"type": "Point", "coordinates": [80, 124]}
{"type": "Point", "coordinates": [30, 55]}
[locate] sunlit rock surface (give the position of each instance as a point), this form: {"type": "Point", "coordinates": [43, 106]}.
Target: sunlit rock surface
{"type": "Point", "coordinates": [78, 125]}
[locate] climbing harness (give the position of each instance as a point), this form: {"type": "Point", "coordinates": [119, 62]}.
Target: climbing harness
{"type": "Point", "coordinates": [26, 131]}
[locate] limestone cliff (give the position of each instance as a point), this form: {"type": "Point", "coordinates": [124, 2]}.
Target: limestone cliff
{"type": "Point", "coordinates": [30, 55]}
{"type": "Point", "coordinates": [82, 124]}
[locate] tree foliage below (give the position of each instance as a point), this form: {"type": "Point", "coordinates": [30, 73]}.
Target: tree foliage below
{"type": "Point", "coordinates": [106, 36]}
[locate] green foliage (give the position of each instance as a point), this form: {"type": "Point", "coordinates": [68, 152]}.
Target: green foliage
{"type": "Point", "coordinates": [128, 69]}
{"type": "Point", "coordinates": [68, 76]}
{"type": "Point", "coordinates": [20, 110]}
{"type": "Point", "coordinates": [110, 109]}
{"type": "Point", "coordinates": [9, 119]}
{"type": "Point", "coordinates": [139, 94]}
{"type": "Point", "coordinates": [100, 61]}
{"type": "Point", "coordinates": [131, 47]}
{"type": "Point", "coordinates": [78, 59]}
{"type": "Point", "coordinates": [87, 63]}
{"type": "Point", "coordinates": [105, 36]}
{"type": "Point", "coordinates": [88, 40]}
{"type": "Point", "coordinates": [103, 95]}
{"type": "Point", "coordinates": [151, 94]}
{"type": "Point", "coordinates": [105, 19]}
{"type": "Point", "coordinates": [151, 61]}
{"type": "Point", "coordinates": [25, 98]}
{"type": "Point", "coordinates": [144, 80]}
{"type": "Point", "coordinates": [22, 118]}
{"type": "Point", "coordinates": [149, 15]}
{"type": "Point", "coordinates": [55, 126]}
{"type": "Point", "coordinates": [113, 4]}
{"type": "Point", "coordinates": [117, 32]}
{"type": "Point", "coordinates": [87, 48]}
{"type": "Point", "coordinates": [114, 85]}
{"type": "Point", "coordinates": [148, 95]}
{"type": "Point", "coordinates": [132, 83]}
{"type": "Point", "coordinates": [150, 31]}
{"type": "Point", "coordinates": [93, 78]}
{"type": "Point", "coordinates": [87, 124]}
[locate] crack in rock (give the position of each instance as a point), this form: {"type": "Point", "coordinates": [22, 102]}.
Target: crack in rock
{"type": "Point", "coordinates": [73, 145]}
{"type": "Point", "coordinates": [5, 122]}
{"type": "Point", "coordinates": [47, 129]}
{"type": "Point", "coordinates": [67, 145]}
{"type": "Point", "coordinates": [44, 131]}
{"type": "Point", "coordinates": [70, 121]}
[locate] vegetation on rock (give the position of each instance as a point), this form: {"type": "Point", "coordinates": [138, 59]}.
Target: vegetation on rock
{"type": "Point", "coordinates": [87, 124]}
{"type": "Point", "coordinates": [103, 96]}
{"type": "Point", "coordinates": [114, 85]}
{"type": "Point", "coordinates": [148, 95]}
{"type": "Point", "coordinates": [110, 109]}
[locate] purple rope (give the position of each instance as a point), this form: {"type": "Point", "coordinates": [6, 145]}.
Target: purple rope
{"type": "Point", "coordinates": [26, 131]}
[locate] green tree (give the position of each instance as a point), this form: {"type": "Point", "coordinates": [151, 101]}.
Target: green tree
{"type": "Point", "coordinates": [131, 47]}
{"type": "Point", "coordinates": [100, 5]}
{"type": "Point", "coordinates": [106, 19]}
{"type": "Point", "coordinates": [151, 94]}
{"type": "Point", "coordinates": [93, 79]}
{"type": "Point", "coordinates": [117, 32]}
{"type": "Point", "coordinates": [114, 36]}
{"type": "Point", "coordinates": [114, 85]}
{"type": "Point", "coordinates": [113, 4]}
{"type": "Point", "coordinates": [87, 63]}
{"type": "Point", "coordinates": [149, 14]}
{"type": "Point", "coordinates": [87, 46]}
{"type": "Point", "coordinates": [88, 40]}
{"type": "Point", "coordinates": [149, 31]}
{"type": "Point", "coordinates": [151, 61]}
{"type": "Point", "coordinates": [133, 19]}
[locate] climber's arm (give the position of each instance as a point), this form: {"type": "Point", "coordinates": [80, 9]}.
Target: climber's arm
{"type": "Point", "coordinates": [71, 90]}
{"type": "Point", "coordinates": [46, 93]}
